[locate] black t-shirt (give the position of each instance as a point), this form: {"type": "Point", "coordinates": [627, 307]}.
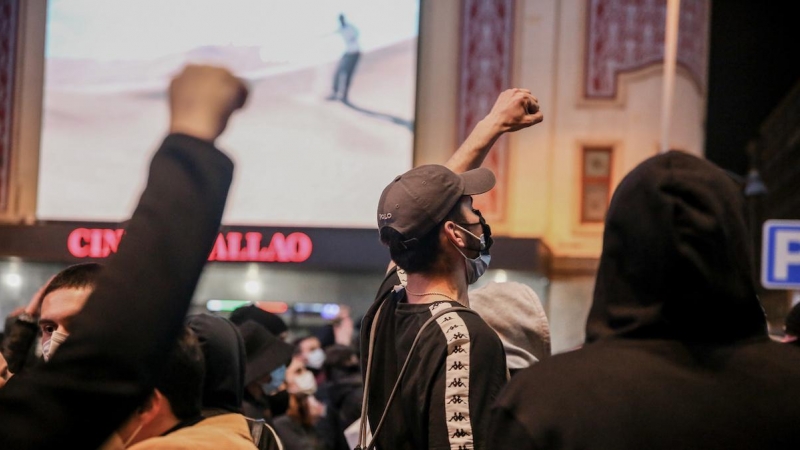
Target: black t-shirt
{"type": "Point", "coordinates": [455, 373]}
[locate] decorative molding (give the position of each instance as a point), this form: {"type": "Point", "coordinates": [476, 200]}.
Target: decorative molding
{"type": "Point", "coordinates": [9, 13]}
{"type": "Point", "coordinates": [487, 34]}
{"type": "Point", "coordinates": [624, 36]}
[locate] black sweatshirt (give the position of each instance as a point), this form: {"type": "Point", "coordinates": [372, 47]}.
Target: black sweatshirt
{"type": "Point", "coordinates": [121, 337]}
{"type": "Point", "coordinates": [679, 356]}
{"type": "Point", "coordinates": [454, 375]}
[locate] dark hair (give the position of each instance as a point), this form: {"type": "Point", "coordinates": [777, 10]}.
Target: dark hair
{"type": "Point", "coordinates": [296, 343]}
{"type": "Point", "coordinates": [181, 382]}
{"type": "Point", "coordinates": [77, 276]}
{"type": "Point", "coordinates": [420, 255]}
{"type": "Point", "coordinates": [340, 359]}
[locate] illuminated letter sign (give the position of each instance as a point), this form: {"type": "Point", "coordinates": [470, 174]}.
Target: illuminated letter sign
{"type": "Point", "coordinates": [235, 246]}
{"type": "Point", "coordinates": [93, 243]}
{"type": "Point", "coordinates": [232, 246]}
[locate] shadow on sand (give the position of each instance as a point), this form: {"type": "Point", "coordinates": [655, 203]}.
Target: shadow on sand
{"type": "Point", "coordinates": [382, 116]}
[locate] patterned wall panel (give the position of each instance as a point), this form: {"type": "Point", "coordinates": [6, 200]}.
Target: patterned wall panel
{"type": "Point", "coordinates": [485, 68]}
{"type": "Point", "coordinates": [628, 35]}
{"type": "Point", "coordinates": [8, 39]}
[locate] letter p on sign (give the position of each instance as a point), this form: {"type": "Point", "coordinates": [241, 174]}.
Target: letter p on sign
{"type": "Point", "coordinates": [780, 254]}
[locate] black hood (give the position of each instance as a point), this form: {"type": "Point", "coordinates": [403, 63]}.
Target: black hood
{"type": "Point", "coordinates": [223, 349]}
{"type": "Point", "coordinates": [677, 257]}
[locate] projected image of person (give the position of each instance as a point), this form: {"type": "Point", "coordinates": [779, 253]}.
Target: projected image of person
{"type": "Point", "coordinates": [347, 64]}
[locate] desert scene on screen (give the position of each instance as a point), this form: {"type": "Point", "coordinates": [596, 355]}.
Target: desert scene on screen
{"type": "Point", "coordinates": [299, 154]}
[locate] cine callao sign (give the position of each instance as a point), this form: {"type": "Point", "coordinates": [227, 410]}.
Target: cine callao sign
{"type": "Point", "coordinates": [232, 246]}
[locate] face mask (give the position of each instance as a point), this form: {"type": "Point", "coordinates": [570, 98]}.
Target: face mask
{"type": "Point", "coordinates": [315, 359]}
{"type": "Point", "coordinates": [477, 266]}
{"type": "Point", "coordinates": [49, 347]}
{"type": "Point", "coordinates": [278, 403]}
{"type": "Point", "coordinates": [306, 383]}
{"type": "Point", "coordinates": [278, 376]}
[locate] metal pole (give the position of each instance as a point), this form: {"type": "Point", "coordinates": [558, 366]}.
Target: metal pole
{"type": "Point", "coordinates": [670, 55]}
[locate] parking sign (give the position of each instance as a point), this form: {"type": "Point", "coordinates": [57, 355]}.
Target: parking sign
{"type": "Point", "coordinates": [780, 254]}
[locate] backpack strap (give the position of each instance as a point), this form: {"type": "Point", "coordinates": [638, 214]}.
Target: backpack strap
{"type": "Point", "coordinates": [364, 417]}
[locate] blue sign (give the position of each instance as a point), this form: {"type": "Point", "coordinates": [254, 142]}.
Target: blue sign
{"type": "Point", "coordinates": [780, 254]}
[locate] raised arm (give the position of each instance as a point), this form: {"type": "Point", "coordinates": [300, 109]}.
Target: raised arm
{"type": "Point", "coordinates": [120, 339]}
{"type": "Point", "coordinates": [513, 110]}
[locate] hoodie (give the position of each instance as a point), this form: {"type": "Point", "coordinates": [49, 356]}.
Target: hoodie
{"type": "Point", "coordinates": [676, 254]}
{"type": "Point", "coordinates": [223, 348]}
{"type": "Point", "coordinates": [677, 352]}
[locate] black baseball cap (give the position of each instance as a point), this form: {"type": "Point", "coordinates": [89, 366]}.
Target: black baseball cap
{"type": "Point", "coordinates": [265, 351]}
{"type": "Point", "coordinates": [418, 200]}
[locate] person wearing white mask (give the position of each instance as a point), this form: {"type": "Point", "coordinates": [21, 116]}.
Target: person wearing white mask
{"type": "Point", "coordinates": [62, 299]}
{"type": "Point", "coordinates": [311, 353]}
{"type": "Point", "coordinates": [298, 427]}
{"type": "Point", "coordinates": [120, 341]}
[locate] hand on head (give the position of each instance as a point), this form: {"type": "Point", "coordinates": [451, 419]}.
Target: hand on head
{"type": "Point", "coordinates": [35, 304]}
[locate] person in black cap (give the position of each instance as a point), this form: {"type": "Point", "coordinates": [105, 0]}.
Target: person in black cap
{"type": "Point", "coordinates": [440, 244]}
{"type": "Point", "coordinates": [433, 233]}
{"type": "Point", "coordinates": [272, 322]}
{"type": "Point", "coordinates": [678, 354]}
{"type": "Point", "coordinates": [265, 395]}
{"type": "Point", "coordinates": [792, 326]}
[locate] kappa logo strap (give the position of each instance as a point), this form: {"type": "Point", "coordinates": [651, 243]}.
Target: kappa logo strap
{"type": "Point", "coordinates": [364, 416]}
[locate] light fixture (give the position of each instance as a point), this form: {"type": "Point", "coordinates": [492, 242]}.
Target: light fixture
{"type": "Point", "coordinates": [13, 280]}
{"type": "Point", "coordinates": [329, 311]}
{"type": "Point", "coordinates": [500, 276]}
{"type": "Point", "coordinates": [225, 305]}
{"type": "Point", "coordinates": [252, 287]}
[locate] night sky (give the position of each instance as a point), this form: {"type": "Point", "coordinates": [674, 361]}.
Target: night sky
{"type": "Point", "coordinates": [754, 62]}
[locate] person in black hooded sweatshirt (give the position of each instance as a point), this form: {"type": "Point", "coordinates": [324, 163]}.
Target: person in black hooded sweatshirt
{"type": "Point", "coordinates": [223, 385]}
{"type": "Point", "coordinates": [677, 352]}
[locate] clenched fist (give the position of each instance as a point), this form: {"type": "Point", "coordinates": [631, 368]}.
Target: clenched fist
{"type": "Point", "coordinates": [514, 110]}
{"type": "Point", "coordinates": [202, 99]}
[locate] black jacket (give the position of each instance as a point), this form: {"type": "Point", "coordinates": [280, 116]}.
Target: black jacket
{"type": "Point", "coordinates": [678, 353]}
{"type": "Point", "coordinates": [122, 336]}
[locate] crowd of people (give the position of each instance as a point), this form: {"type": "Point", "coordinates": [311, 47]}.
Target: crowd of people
{"type": "Point", "coordinates": [677, 352]}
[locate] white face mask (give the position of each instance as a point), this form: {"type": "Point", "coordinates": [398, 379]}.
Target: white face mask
{"type": "Point", "coordinates": [306, 383]}
{"type": "Point", "coordinates": [477, 266]}
{"type": "Point", "coordinates": [49, 347]}
{"type": "Point", "coordinates": [315, 359]}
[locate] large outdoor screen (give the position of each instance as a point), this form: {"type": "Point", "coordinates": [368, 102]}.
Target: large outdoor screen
{"type": "Point", "coordinates": [329, 121]}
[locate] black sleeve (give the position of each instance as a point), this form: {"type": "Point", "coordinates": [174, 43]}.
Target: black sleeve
{"type": "Point", "coordinates": [20, 338]}
{"type": "Point", "coordinates": [121, 337]}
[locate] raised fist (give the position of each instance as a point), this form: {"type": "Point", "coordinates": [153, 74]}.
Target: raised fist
{"type": "Point", "coordinates": [202, 99]}
{"type": "Point", "coordinates": [515, 109]}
